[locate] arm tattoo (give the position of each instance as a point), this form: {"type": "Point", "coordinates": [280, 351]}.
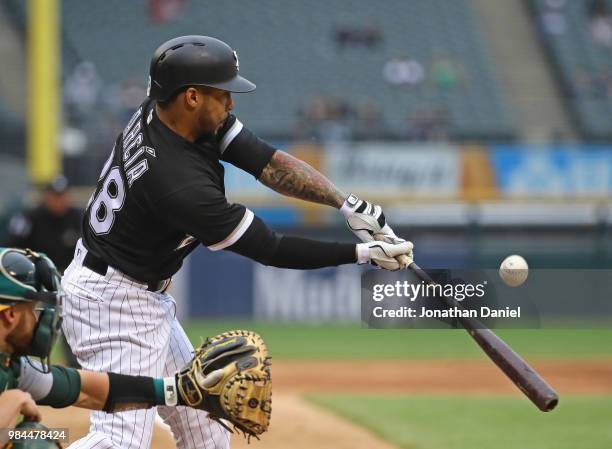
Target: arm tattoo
{"type": "Point", "coordinates": [290, 176]}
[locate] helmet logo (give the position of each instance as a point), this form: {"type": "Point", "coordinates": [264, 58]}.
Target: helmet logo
{"type": "Point", "coordinates": [236, 59]}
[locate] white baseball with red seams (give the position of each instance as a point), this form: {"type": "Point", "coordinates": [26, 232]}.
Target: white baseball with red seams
{"type": "Point", "coordinates": [514, 270]}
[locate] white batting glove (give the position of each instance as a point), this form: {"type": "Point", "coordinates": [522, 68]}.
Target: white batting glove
{"type": "Point", "coordinates": [383, 254]}
{"type": "Point", "coordinates": [365, 219]}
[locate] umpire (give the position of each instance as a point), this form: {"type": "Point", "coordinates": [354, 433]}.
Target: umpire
{"type": "Point", "coordinates": [52, 227]}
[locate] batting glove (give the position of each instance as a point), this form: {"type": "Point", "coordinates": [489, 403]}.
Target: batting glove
{"type": "Point", "coordinates": [383, 254]}
{"type": "Point", "coordinates": [365, 219]}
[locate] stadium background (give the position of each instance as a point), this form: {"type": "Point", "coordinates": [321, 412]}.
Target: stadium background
{"type": "Point", "coordinates": [483, 127]}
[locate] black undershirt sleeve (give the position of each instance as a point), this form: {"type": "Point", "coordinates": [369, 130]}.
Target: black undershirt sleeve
{"type": "Point", "coordinates": [300, 253]}
{"type": "Point", "coordinates": [265, 246]}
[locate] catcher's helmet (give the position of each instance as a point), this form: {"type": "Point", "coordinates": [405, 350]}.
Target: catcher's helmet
{"type": "Point", "coordinates": [18, 279]}
{"type": "Point", "coordinates": [194, 61]}
{"type": "Point", "coordinates": [27, 276]}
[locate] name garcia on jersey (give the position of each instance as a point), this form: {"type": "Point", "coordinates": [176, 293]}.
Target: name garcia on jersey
{"type": "Point", "coordinates": [132, 138]}
{"type": "Point", "coordinates": [111, 196]}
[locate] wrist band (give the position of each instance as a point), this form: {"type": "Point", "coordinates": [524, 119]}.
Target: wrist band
{"type": "Point", "coordinates": [170, 394]}
{"type": "Point", "coordinates": [348, 207]}
{"type": "Point", "coordinates": [363, 253]}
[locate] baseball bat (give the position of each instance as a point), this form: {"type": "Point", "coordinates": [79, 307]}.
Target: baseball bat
{"type": "Point", "coordinates": [519, 371]}
{"type": "Point", "coordinates": [514, 367]}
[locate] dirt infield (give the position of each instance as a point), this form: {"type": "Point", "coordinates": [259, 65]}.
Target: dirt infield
{"type": "Point", "coordinates": [302, 425]}
{"type": "Point", "coordinates": [460, 376]}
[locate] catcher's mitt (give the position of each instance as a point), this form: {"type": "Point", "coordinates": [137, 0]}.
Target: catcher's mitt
{"type": "Point", "coordinates": [229, 377]}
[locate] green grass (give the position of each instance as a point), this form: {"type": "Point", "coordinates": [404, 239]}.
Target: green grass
{"type": "Point", "coordinates": [456, 422]}
{"type": "Point", "coordinates": [299, 341]}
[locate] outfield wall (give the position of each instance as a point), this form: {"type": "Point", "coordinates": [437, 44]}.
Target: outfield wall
{"type": "Point", "coordinates": [443, 184]}
{"type": "Point", "coordinates": [223, 284]}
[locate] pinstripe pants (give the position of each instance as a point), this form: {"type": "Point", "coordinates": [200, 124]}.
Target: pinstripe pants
{"type": "Point", "coordinates": [114, 324]}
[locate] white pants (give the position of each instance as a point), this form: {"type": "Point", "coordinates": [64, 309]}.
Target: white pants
{"type": "Point", "coordinates": [114, 324]}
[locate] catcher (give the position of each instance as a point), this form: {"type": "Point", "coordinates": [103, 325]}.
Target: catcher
{"type": "Point", "coordinates": [229, 375]}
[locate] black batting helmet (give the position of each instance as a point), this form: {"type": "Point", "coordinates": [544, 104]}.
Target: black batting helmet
{"type": "Point", "coordinates": [194, 61]}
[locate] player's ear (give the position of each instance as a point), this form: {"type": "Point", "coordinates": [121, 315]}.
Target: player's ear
{"type": "Point", "coordinates": [8, 315]}
{"type": "Point", "coordinates": [193, 97]}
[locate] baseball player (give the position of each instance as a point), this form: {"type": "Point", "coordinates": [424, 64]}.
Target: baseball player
{"type": "Point", "coordinates": [161, 194]}
{"type": "Point", "coordinates": [30, 317]}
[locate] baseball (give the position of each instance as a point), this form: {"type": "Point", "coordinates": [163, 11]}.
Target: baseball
{"type": "Point", "coordinates": [514, 270]}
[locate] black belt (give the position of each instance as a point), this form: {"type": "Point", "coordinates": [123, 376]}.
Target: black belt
{"type": "Point", "coordinates": [98, 265]}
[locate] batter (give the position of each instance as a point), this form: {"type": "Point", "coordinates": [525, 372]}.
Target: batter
{"type": "Point", "coordinates": [160, 195]}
